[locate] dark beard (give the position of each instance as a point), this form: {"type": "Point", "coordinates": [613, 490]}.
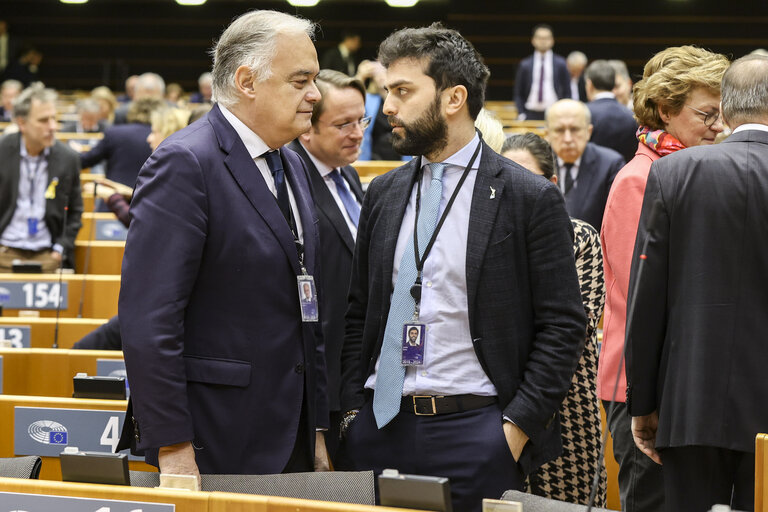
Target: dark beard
{"type": "Point", "coordinates": [425, 136]}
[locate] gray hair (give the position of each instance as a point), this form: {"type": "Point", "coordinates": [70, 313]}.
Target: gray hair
{"type": "Point", "coordinates": [88, 105]}
{"type": "Point", "coordinates": [11, 84]}
{"type": "Point", "coordinates": [577, 57]}
{"type": "Point", "coordinates": [149, 84]}
{"type": "Point", "coordinates": [206, 77]}
{"type": "Point", "coordinates": [620, 67]}
{"type": "Point", "coordinates": [601, 74]}
{"type": "Point", "coordinates": [251, 40]}
{"type": "Point", "coordinates": [36, 91]}
{"type": "Point", "coordinates": [745, 90]}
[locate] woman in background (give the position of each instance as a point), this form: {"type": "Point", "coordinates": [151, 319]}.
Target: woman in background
{"type": "Point", "coordinates": [569, 477]}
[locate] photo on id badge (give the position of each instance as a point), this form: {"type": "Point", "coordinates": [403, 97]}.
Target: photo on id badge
{"type": "Point", "coordinates": [308, 299]}
{"type": "Point", "coordinates": [413, 344]}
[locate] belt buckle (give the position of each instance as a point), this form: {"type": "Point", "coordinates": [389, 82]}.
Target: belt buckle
{"type": "Point", "coordinates": [432, 401]}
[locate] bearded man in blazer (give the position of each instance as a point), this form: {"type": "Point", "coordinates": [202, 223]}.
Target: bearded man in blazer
{"type": "Point", "coordinates": [226, 377]}
{"type": "Point", "coordinates": [696, 350]}
{"type": "Point", "coordinates": [499, 295]}
{"type": "Point", "coordinates": [338, 122]}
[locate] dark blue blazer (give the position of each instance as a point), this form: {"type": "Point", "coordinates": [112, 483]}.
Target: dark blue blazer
{"type": "Point", "coordinates": [598, 167]}
{"type": "Point", "coordinates": [209, 310]}
{"type": "Point", "coordinates": [613, 127]}
{"type": "Point", "coordinates": [524, 78]}
{"type": "Point", "coordinates": [125, 148]}
{"type": "Point", "coordinates": [529, 340]}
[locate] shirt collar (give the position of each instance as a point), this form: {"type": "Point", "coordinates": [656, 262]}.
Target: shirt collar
{"type": "Point", "coordinates": [253, 143]}
{"type": "Point", "coordinates": [751, 126]}
{"type": "Point", "coordinates": [25, 154]}
{"type": "Point", "coordinates": [322, 168]}
{"type": "Point", "coordinates": [605, 94]}
{"type": "Point", "coordinates": [462, 157]}
{"type": "Point", "coordinates": [343, 51]}
{"type": "Point", "coordinates": [546, 55]}
{"type": "Point", "coordinates": [561, 163]}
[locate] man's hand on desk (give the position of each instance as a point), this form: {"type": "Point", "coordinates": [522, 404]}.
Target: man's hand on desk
{"type": "Point", "coordinates": [179, 459]}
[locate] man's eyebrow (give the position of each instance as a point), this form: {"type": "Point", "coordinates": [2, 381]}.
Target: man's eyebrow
{"type": "Point", "coordinates": [301, 73]}
{"type": "Point", "coordinates": [398, 83]}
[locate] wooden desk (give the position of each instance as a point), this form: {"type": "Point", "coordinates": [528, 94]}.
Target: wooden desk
{"type": "Point", "coordinates": [367, 170]}
{"type": "Point", "coordinates": [100, 299]}
{"type": "Point", "coordinates": [42, 330]}
{"type": "Point", "coordinates": [48, 371]}
{"type": "Point", "coordinates": [51, 469]}
{"type": "Point", "coordinates": [106, 257]}
{"type": "Point", "coordinates": [67, 136]}
{"type": "Point", "coordinates": [761, 473]}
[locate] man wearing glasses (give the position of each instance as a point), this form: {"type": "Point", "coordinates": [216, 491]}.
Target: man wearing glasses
{"type": "Point", "coordinates": [585, 170]}
{"type": "Point", "coordinates": [327, 149]}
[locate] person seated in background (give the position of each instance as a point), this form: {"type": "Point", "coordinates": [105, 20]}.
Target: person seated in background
{"type": "Point", "coordinates": [88, 118]}
{"type": "Point", "coordinates": [623, 88]}
{"type": "Point", "coordinates": [377, 139]}
{"type": "Point", "coordinates": [116, 195]}
{"type": "Point", "coordinates": [148, 85]}
{"type": "Point", "coordinates": [612, 123]}
{"type": "Point", "coordinates": [124, 146]}
{"type": "Point", "coordinates": [9, 91]}
{"type": "Point", "coordinates": [26, 68]}
{"type": "Point", "coordinates": [585, 170]}
{"type": "Point", "coordinates": [576, 63]}
{"type": "Point", "coordinates": [204, 89]}
{"type": "Point", "coordinates": [569, 477]}
{"type": "Point", "coordinates": [40, 201]}
{"type": "Point", "coordinates": [107, 104]}
{"type": "Point", "coordinates": [174, 94]}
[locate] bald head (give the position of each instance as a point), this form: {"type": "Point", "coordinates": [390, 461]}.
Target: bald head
{"type": "Point", "coordinates": [745, 91]}
{"type": "Point", "coordinates": [568, 129]}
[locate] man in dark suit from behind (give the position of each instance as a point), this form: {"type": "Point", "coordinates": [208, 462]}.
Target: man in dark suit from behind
{"type": "Point", "coordinates": [88, 113]}
{"type": "Point", "coordinates": [612, 123]}
{"type": "Point", "coordinates": [541, 78]}
{"type": "Point", "coordinates": [39, 186]}
{"type": "Point", "coordinates": [342, 57]}
{"type": "Point", "coordinates": [498, 297]}
{"type": "Point", "coordinates": [696, 351]}
{"type": "Point", "coordinates": [585, 170]}
{"type": "Point", "coordinates": [227, 370]}
{"type": "Point", "coordinates": [328, 149]}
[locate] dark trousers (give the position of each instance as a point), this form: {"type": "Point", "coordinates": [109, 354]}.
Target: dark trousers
{"type": "Point", "coordinates": [468, 447]}
{"type": "Point", "coordinates": [697, 477]}
{"type": "Point", "coordinates": [302, 460]}
{"type": "Point", "coordinates": [641, 487]}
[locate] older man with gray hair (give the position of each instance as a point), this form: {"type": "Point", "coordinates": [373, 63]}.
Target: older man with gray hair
{"type": "Point", "coordinates": [39, 182]}
{"type": "Point", "coordinates": [696, 348]}
{"type": "Point", "coordinates": [225, 359]}
{"type": "Point", "coordinates": [205, 89]}
{"type": "Point", "coordinates": [147, 85]}
{"type": "Point", "coordinates": [576, 62]}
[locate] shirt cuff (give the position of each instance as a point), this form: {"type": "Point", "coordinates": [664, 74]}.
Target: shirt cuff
{"type": "Point", "coordinates": [58, 248]}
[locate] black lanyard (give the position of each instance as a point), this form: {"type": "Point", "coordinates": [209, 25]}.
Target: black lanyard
{"type": "Point", "coordinates": [416, 288]}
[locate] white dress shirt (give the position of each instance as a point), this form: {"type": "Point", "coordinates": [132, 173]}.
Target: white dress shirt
{"type": "Point", "coordinates": [257, 147]}
{"type": "Point", "coordinates": [575, 89]}
{"type": "Point", "coordinates": [550, 96]}
{"type": "Point", "coordinates": [450, 364]}
{"type": "Point", "coordinates": [751, 126]}
{"type": "Point", "coordinates": [325, 172]}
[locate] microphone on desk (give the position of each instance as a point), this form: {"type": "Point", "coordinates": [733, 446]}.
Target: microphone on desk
{"type": "Point", "coordinates": [61, 275]}
{"type": "Point", "coordinates": [87, 253]}
{"type": "Point", "coordinates": [650, 230]}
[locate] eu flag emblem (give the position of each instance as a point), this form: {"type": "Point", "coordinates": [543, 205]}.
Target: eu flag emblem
{"type": "Point", "coordinates": [57, 437]}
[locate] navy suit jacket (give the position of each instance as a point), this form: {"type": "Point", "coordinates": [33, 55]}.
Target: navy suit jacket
{"type": "Point", "coordinates": [337, 247]}
{"type": "Point", "coordinates": [613, 127]}
{"type": "Point", "coordinates": [209, 308]}
{"type": "Point", "coordinates": [598, 167]}
{"type": "Point", "coordinates": [526, 316]}
{"type": "Point", "coordinates": [125, 148]}
{"type": "Point", "coordinates": [524, 78]}
{"type": "Point", "coordinates": [696, 351]}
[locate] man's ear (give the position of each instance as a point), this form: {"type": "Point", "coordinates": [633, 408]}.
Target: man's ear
{"type": "Point", "coordinates": [245, 81]}
{"type": "Point", "coordinates": [454, 98]}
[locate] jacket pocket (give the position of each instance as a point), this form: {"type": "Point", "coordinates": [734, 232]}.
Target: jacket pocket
{"type": "Point", "coordinates": [210, 370]}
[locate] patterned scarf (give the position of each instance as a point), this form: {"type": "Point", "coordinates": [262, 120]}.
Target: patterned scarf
{"type": "Point", "coordinates": [660, 141]}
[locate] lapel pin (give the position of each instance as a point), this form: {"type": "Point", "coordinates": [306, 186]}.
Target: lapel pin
{"type": "Point", "coordinates": [493, 193]}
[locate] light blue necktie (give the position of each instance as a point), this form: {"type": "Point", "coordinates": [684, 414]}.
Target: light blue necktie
{"type": "Point", "coordinates": [347, 199]}
{"type": "Point", "coordinates": [391, 373]}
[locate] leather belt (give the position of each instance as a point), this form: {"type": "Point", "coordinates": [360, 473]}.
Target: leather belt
{"type": "Point", "coordinates": [427, 405]}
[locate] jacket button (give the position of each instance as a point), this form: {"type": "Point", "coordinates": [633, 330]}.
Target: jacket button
{"type": "Point", "coordinates": [299, 368]}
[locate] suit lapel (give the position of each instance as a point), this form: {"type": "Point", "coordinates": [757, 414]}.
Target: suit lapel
{"type": "Point", "coordinates": [296, 174]}
{"type": "Point", "coordinates": [396, 200]}
{"type": "Point", "coordinates": [248, 177]}
{"type": "Point", "coordinates": [486, 198]}
{"type": "Point", "coordinates": [586, 176]}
